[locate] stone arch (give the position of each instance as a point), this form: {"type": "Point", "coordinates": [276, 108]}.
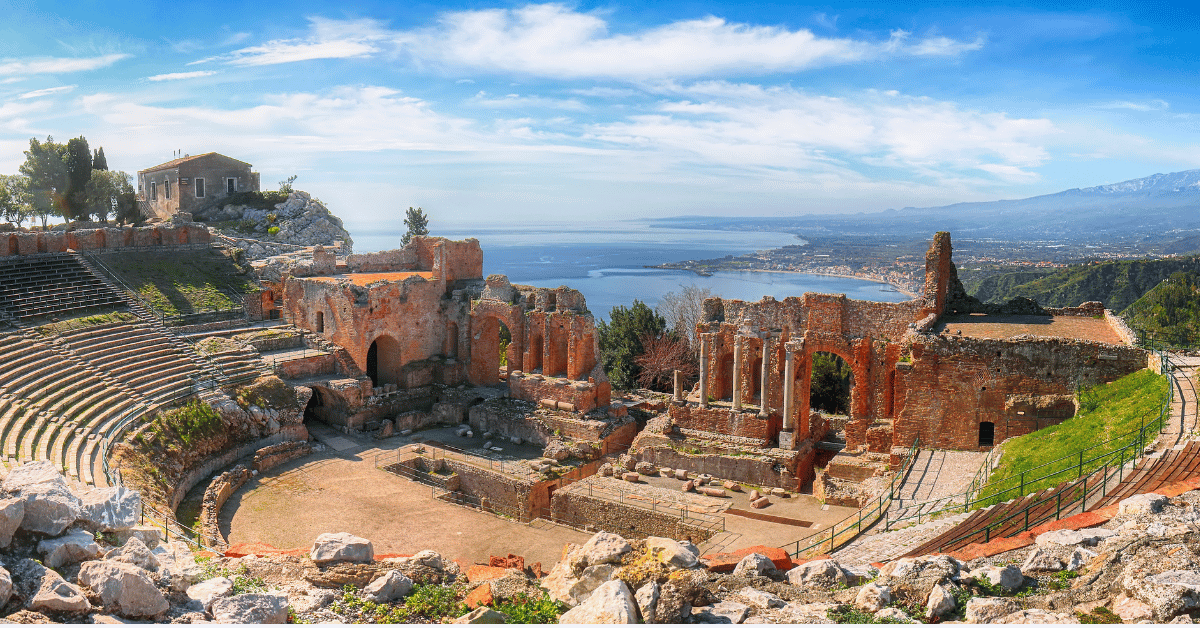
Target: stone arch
{"type": "Point", "coordinates": [484, 341]}
{"type": "Point", "coordinates": [320, 325]}
{"type": "Point", "coordinates": [384, 362]}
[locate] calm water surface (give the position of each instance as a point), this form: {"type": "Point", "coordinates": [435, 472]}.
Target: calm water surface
{"type": "Point", "coordinates": [607, 262]}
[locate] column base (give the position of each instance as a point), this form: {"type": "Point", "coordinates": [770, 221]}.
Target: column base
{"type": "Point", "coordinates": [787, 439]}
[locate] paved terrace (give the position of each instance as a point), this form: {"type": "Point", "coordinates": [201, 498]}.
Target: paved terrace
{"type": "Point", "coordinates": [1001, 327]}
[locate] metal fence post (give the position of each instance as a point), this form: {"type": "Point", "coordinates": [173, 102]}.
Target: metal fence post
{"type": "Point", "coordinates": [1080, 474]}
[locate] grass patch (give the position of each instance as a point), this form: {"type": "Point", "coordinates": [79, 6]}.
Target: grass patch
{"type": "Point", "coordinates": [182, 282]}
{"type": "Point", "coordinates": [1112, 411]}
{"type": "Point", "coordinates": [79, 322]}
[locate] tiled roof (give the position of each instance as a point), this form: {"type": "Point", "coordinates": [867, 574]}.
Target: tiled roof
{"type": "Point", "coordinates": [175, 162]}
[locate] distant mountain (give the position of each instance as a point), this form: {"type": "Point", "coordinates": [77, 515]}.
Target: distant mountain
{"type": "Point", "coordinates": [1161, 207]}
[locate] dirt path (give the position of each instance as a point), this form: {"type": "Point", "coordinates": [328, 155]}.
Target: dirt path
{"type": "Point", "coordinates": [342, 491]}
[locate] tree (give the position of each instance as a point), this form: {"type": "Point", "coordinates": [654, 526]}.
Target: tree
{"type": "Point", "coordinates": [663, 356]}
{"type": "Point", "coordinates": [417, 223]}
{"type": "Point", "coordinates": [14, 199]}
{"type": "Point", "coordinates": [98, 160]}
{"type": "Point", "coordinates": [830, 390]}
{"type": "Point", "coordinates": [79, 171]}
{"type": "Point", "coordinates": [621, 341]}
{"type": "Point", "coordinates": [285, 186]}
{"type": "Point", "coordinates": [46, 169]}
{"type": "Point", "coordinates": [683, 310]}
{"type": "Point", "coordinates": [105, 192]}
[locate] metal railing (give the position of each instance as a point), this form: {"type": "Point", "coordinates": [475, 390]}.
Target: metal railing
{"type": "Point", "coordinates": [843, 531]}
{"type": "Point", "coordinates": [432, 453]}
{"type": "Point", "coordinates": [169, 524]}
{"type": "Point", "coordinates": [689, 516]}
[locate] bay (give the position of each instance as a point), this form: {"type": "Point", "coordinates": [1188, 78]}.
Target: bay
{"type": "Point", "coordinates": [607, 262]}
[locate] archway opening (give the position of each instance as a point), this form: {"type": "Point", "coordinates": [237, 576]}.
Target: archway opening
{"type": "Point", "coordinates": [987, 434]}
{"type": "Point", "coordinates": [320, 322]}
{"type": "Point", "coordinates": [384, 362]}
{"type": "Point", "coordinates": [832, 379]}
{"type": "Point", "coordinates": [312, 411]}
{"type": "Point", "coordinates": [504, 340]}
{"type": "Point", "coordinates": [755, 391]}
{"type": "Point", "coordinates": [373, 363]}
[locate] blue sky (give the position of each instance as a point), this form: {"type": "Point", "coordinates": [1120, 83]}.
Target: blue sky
{"type": "Point", "coordinates": [493, 112]}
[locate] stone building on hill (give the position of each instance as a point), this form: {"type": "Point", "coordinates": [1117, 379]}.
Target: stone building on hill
{"type": "Point", "coordinates": [188, 183]}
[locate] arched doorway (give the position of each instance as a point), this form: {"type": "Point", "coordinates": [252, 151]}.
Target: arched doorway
{"type": "Point", "coordinates": [313, 410]}
{"type": "Point", "coordinates": [384, 362]}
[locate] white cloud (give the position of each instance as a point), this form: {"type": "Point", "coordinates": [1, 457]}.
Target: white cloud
{"type": "Point", "coordinates": [750, 126]}
{"type": "Point", "coordinates": [329, 39]}
{"type": "Point", "coordinates": [57, 65]}
{"type": "Point", "coordinates": [49, 91]}
{"type": "Point", "coordinates": [554, 40]}
{"type": "Point", "coordinates": [510, 101]}
{"type": "Point", "coordinates": [179, 76]}
{"type": "Point", "coordinates": [1150, 105]}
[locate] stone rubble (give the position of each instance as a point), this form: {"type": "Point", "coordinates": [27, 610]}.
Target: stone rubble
{"type": "Point", "coordinates": [1143, 564]}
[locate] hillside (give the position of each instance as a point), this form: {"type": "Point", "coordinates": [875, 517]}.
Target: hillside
{"type": "Point", "coordinates": [1170, 311]}
{"type": "Point", "coordinates": [1117, 284]}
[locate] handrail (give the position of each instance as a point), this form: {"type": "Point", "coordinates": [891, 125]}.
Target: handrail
{"type": "Point", "coordinates": [860, 519]}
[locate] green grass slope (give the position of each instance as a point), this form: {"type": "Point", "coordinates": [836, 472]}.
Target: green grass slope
{"type": "Point", "coordinates": [182, 282]}
{"type": "Point", "coordinates": [1109, 419]}
{"type": "Point", "coordinates": [1117, 284]}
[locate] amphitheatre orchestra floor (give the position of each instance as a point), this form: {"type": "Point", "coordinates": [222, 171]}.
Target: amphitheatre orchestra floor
{"type": "Point", "coordinates": [340, 489]}
{"type": "Point", "coordinates": [999, 327]}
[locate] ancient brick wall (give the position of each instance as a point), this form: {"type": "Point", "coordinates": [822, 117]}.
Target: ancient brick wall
{"type": "Point", "coordinates": [579, 509]}
{"type": "Point", "coordinates": [32, 243]}
{"type": "Point", "coordinates": [721, 420]}
{"type": "Point", "coordinates": [955, 384]}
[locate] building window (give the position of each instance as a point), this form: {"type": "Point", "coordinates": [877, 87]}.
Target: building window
{"type": "Point", "coordinates": [199, 187]}
{"type": "Point", "coordinates": [167, 189]}
{"type": "Point", "coordinates": [153, 191]}
{"type": "Point", "coordinates": [231, 184]}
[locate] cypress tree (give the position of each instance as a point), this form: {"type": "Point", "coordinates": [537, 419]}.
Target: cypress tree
{"type": "Point", "coordinates": [98, 160]}
{"type": "Point", "coordinates": [79, 171]}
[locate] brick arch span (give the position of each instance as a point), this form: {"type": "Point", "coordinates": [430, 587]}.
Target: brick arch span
{"type": "Point", "coordinates": [852, 352]}
{"type": "Point", "coordinates": [484, 339]}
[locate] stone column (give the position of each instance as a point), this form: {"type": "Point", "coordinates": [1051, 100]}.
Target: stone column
{"type": "Point", "coordinates": [704, 343]}
{"type": "Point", "coordinates": [764, 406]}
{"type": "Point", "coordinates": [789, 390]}
{"type": "Point", "coordinates": [738, 349]}
{"type": "Point", "coordinates": [678, 387]}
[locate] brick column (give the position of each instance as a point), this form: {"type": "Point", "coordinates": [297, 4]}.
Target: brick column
{"type": "Point", "coordinates": [764, 406]}
{"type": "Point", "coordinates": [704, 343]}
{"type": "Point", "coordinates": [738, 349]}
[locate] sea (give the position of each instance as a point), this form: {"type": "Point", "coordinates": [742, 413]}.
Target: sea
{"type": "Point", "coordinates": [608, 262]}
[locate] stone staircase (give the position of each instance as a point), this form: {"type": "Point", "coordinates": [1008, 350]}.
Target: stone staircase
{"type": "Point", "coordinates": [889, 545]}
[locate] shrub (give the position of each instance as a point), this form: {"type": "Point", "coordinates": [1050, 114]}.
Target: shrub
{"type": "Point", "coordinates": [523, 609]}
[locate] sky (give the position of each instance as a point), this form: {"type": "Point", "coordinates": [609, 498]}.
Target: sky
{"type": "Point", "coordinates": [527, 113]}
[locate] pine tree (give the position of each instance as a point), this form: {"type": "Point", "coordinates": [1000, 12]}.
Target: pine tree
{"type": "Point", "coordinates": [417, 223]}
{"type": "Point", "coordinates": [79, 171]}
{"type": "Point", "coordinates": [98, 160]}
{"type": "Point", "coordinates": [621, 341]}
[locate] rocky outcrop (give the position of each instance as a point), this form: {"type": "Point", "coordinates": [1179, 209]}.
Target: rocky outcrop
{"type": "Point", "coordinates": [301, 220]}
